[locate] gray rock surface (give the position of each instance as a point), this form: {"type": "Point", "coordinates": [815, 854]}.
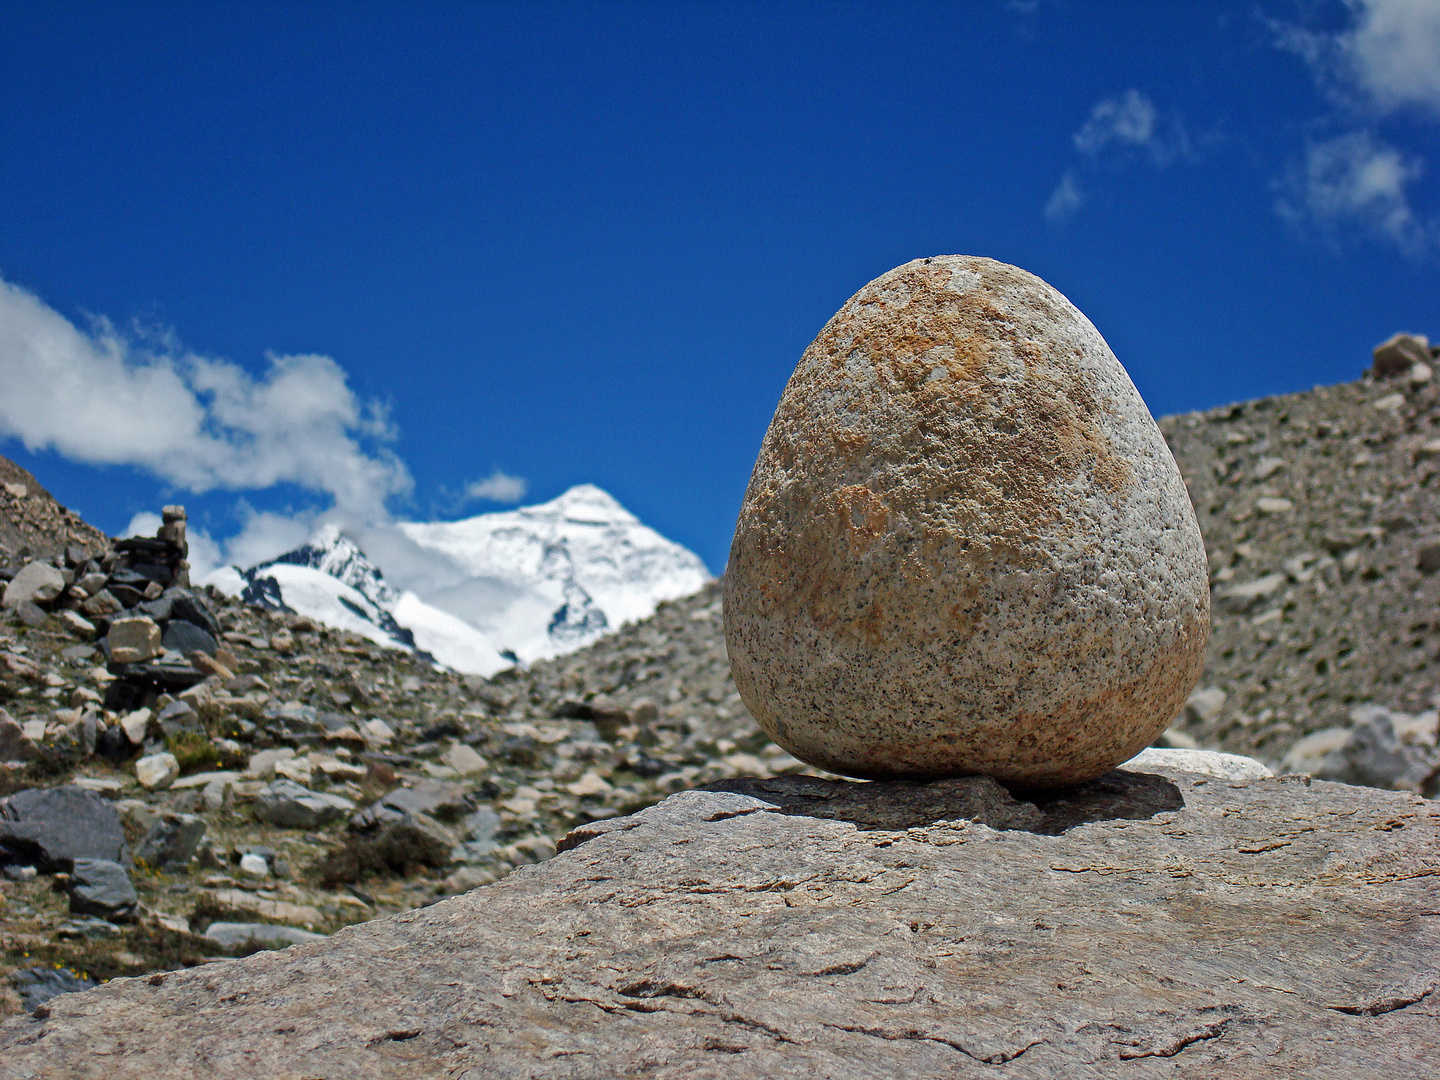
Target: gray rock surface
{"type": "Point", "coordinates": [1271, 927]}
{"type": "Point", "coordinates": [52, 827]}
{"type": "Point", "coordinates": [171, 841]}
{"type": "Point", "coordinates": [288, 804]}
{"type": "Point", "coordinates": [229, 935]}
{"type": "Point", "coordinates": [102, 888]}
{"type": "Point", "coordinates": [965, 547]}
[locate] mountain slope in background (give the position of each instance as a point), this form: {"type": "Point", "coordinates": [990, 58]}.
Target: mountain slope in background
{"type": "Point", "coordinates": [1321, 517]}
{"type": "Point", "coordinates": [485, 592]}
{"type": "Point", "coordinates": [33, 524]}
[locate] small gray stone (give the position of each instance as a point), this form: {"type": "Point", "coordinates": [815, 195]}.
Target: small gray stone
{"type": "Point", "coordinates": [14, 745]}
{"type": "Point", "coordinates": [287, 804]}
{"type": "Point", "coordinates": [38, 985]}
{"type": "Point", "coordinates": [1204, 704]}
{"type": "Point", "coordinates": [180, 716]}
{"type": "Point", "coordinates": [1374, 755]}
{"type": "Point", "coordinates": [1427, 557]}
{"type": "Point", "coordinates": [91, 583]}
{"type": "Point", "coordinates": [185, 637]}
{"type": "Point", "coordinates": [79, 737]}
{"type": "Point", "coordinates": [187, 605]}
{"type": "Point", "coordinates": [102, 888]}
{"type": "Point", "coordinates": [101, 604]}
{"type": "Point", "coordinates": [171, 841]}
{"type": "Point", "coordinates": [231, 935]}
{"type": "Point", "coordinates": [1238, 599]}
{"type": "Point", "coordinates": [31, 614]}
{"type": "Point", "coordinates": [76, 623]}
{"type": "Point", "coordinates": [157, 771]}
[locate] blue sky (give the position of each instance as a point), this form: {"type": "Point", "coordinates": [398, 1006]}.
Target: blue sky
{"type": "Point", "coordinates": [421, 260]}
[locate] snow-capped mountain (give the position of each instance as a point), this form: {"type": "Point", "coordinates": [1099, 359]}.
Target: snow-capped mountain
{"type": "Point", "coordinates": [546, 579]}
{"type": "Point", "coordinates": [485, 592]}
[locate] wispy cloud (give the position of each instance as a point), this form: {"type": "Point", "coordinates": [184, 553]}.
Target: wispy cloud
{"type": "Point", "coordinates": [497, 487]}
{"type": "Point", "coordinates": [99, 396]}
{"type": "Point", "coordinates": [1383, 65]}
{"type": "Point", "coordinates": [1065, 199]}
{"type": "Point", "coordinates": [1353, 181]}
{"type": "Point", "coordinates": [1131, 121]}
{"type": "Point", "coordinates": [1120, 130]}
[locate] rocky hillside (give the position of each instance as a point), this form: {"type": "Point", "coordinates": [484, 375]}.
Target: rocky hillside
{"type": "Point", "coordinates": [34, 525]}
{"type": "Point", "coordinates": [315, 779]}
{"type": "Point", "coordinates": [1321, 517]}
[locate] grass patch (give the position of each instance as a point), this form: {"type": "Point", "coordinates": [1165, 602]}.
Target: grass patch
{"type": "Point", "coordinates": [193, 751]}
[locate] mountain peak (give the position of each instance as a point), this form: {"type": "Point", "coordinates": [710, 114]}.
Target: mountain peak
{"type": "Point", "coordinates": [584, 503]}
{"type": "Point", "coordinates": [526, 583]}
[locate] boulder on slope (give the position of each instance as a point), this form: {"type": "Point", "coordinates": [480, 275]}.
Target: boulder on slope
{"type": "Point", "coordinates": [813, 928]}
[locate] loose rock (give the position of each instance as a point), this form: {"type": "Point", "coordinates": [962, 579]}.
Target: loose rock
{"type": "Point", "coordinates": [132, 640]}
{"type": "Point", "coordinates": [37, 582]}
{"type": "Point", "coordinates": [102, 888]}
{"type": "Point", "coordinates": [1395, 355]}
{"type": "Point", "coordinates": [286, 803]}
{"type": "Point", "coordinates": [52, 827]}
{"type": "Point", "coordinates": [157, 772]}
{"type": "Point", "coordinates": [232, 935]}
{"type": "Point", "coordinates": [171, 841]}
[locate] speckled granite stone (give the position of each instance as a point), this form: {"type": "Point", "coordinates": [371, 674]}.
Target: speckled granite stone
{"type": "Point", "coordinates": [965, 547]}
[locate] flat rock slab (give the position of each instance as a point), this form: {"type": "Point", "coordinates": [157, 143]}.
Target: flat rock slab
{"type": "Point", "coordinates": [1265, 928]}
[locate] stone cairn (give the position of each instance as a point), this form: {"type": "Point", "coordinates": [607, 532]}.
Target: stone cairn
{"type": "Point", "coordinates": [158, 635]}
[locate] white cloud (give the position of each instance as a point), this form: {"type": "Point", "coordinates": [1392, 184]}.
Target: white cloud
{"type": "Point", "coordinates": [1388, 58]}
{"type": "Point", "coordinates": [1395, 51]}
{"type": "Point", "coordinates": [1064, 200]}
{"type": "Point", "coordinates": [497, 487]}
{"type": "Point", "coordinates": [1119, 129]}
{"type": "Point", "coordinates": [99, 397]}
{"type": "Point", "coordinates": [1127, 119]}
{"type": "Point", "coordinates": [1385, 62]}
{"type": "Point", "coordinates": [143, 524]}
{"type": "Point", "coordinates": [1353, 181]}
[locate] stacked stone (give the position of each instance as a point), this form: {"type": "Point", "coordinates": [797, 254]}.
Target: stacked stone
{"type": "Point", "coordinates": [158, 636]}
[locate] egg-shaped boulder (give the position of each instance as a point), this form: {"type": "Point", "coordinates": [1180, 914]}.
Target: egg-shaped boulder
{"type": "Point", "coordinates": [965, 547]}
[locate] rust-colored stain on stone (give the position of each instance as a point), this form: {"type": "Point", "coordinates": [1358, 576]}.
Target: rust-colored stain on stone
{"type": "Point", "coordinates": [962, 514]}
